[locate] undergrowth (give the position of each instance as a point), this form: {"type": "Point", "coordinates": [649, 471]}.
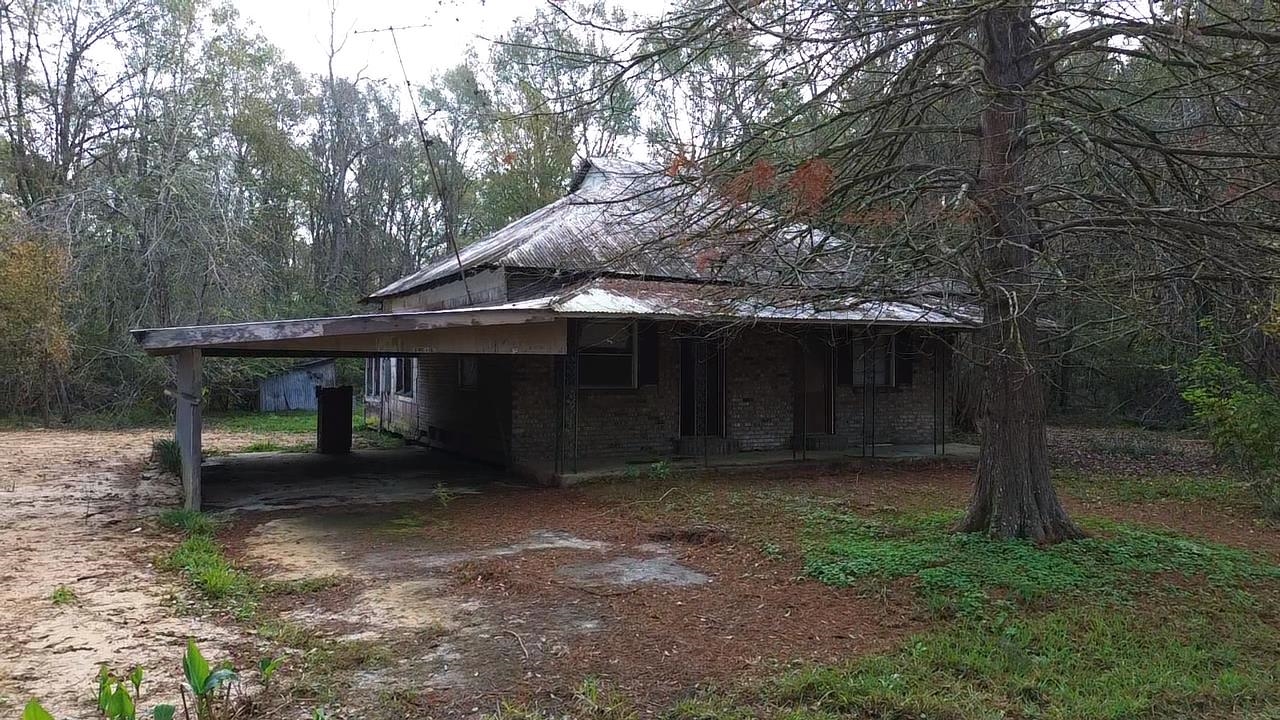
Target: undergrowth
{"type": "Point", "coordinates": [968, 574]}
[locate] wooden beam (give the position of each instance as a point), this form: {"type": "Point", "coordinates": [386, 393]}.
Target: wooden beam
{"type": "Point", "coordinates": [159, 341]}
{"type": "Point", "coordinates": [189, 383]}
{"type": "Point", "coordinates": [528, 339]}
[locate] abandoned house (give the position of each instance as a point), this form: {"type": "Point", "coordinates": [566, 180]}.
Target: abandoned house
{"type": "Point", "coordinates": [633, 319]}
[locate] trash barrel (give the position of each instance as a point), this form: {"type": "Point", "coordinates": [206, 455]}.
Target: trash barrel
{"type": "Point", "coordinates": [333, 420]}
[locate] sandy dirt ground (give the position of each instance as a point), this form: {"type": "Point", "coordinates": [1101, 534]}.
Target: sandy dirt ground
{"type": "Point", "coordinates": [72, 509]}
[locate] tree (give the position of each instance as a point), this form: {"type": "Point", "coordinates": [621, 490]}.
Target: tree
{"type": "Point", "coordinates": [1034, 155]}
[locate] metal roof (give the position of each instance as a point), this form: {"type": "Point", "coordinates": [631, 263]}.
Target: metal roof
{"type": "Point", "coordinates": [621, 297]}
{"type": "Point", "coordinates": [633, 219]}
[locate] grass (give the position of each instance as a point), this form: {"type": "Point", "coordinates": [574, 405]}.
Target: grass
{"type": "Point", "coordinates": [206, 568]}
{"type": "Point", "coordinates": [967, 574]}
{"type": "Point", "coordinates": [1175, 659]}
{"type": "Point", "coordinates": [1218, 490]}
{"type": "Point", "coordinates": [1131, 623]}
{"type": "Point", "coordinates": [63, 595]}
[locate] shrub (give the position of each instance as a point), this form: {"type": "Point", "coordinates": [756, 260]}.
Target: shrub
{"type": "Point", "coordinates": [1242, 418]}
{"type": "Point", "coordinates": [166, 454]}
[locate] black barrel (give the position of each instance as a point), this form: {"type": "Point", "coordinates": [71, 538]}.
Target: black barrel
{"type": "Point", "coordinates": [333, 420]}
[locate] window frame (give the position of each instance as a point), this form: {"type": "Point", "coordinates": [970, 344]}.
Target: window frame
{"type": "Point", "coordinates": [409, 376]}
{"type": "Point", "coordinates": [632, 352]}
{"type": "Point", "coordinates": [373, 377]}
{"type": "Point", "coordinates": [857, 350]}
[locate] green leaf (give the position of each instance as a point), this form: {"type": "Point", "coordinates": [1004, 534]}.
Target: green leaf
{"type": "Point", "coordinates": [218, 677]}
{"type": "Point", "coordinates": [120, 706]}
{"type": "Point", "coordinates": [35, 711]}
{"type": "Point", "coordinates": [267, 668]}
{"type": "Point", "coordinates": [104, 688]}
{"type": "Point", "coordinates": [135, 678]}
{"type": "Point", "coordinates": [163, 712]}
{"type": "Point", "coordinates": [195, 668]}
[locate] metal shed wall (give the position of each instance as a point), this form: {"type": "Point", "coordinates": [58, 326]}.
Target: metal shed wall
{"type": "Point", "coordinates": [296, 388]}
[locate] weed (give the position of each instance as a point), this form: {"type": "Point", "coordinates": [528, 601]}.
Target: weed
{"type": "Point", "coordinates": [63, 595]}
{"type": "Point", "coordinates": [444, 495]}
{"type": "Point", "coordinates": [660, 470]}
{"type": "Point", "coordinates": [35, 711]}
{"type": "Point", "coordinates": [966, 573]}
{"type": "Point", "coordinates": [302, 586]}
{"type": "Point", "coordinates": [166, 454]}
{"type": "Point", "coordinates": [264, 446]}
{"type": "Point", "coordinates": [772, 550]}
{"type": "Point", "coordinates": [594, 700]}
{"type": "Point", "coordinates": [200, 559]}
{"type": "Point", "coordinates": [1079, 662]}
{"type": "Point", "coordinates": [191, 522]}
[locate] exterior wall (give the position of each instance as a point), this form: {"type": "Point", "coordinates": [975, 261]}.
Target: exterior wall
{"type": "Point", "coordinates": [760, 388]}
{"type": "Point", "coordinates": [295, 389]}
{"type": "Point", "coordinates": [903, 414]}
{"type": "Point", "coordinates": [488, 287]}
{"type": "Point", "coordinates": [475, 420]}
{"type": "Point", "coordinates": [512, 416]}
{"type": "Point", "coordinates": [391, 410]}
{"type": "Point", "coordinates": [635, 423]}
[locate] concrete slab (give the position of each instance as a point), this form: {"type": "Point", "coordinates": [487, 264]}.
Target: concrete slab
{"type": "Point", "coordinates": [285, 481]}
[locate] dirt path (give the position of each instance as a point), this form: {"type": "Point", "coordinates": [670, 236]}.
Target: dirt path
{"type": "Point", "coordinates": [71, 511]}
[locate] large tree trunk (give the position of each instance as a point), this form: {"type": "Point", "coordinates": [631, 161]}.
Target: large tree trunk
{"type": "Point", "coordinates": [1013, 497]}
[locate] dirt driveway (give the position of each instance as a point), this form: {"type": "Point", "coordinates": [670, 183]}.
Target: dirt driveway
{"type": "Point", "coordinates": [72, 509]}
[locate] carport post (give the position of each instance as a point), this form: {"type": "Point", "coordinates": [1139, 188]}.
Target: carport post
{"type": "Point", "coordinates": [188, 411]}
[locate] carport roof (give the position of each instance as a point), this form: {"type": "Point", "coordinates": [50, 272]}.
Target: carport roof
{"type": "Point", "coordinates": [598, 298]}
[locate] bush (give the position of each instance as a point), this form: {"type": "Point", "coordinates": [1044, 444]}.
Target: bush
{"type": "Point", "coordinates": [1242, 418]}
{"type": "Point", "coordinates": [167, 455]}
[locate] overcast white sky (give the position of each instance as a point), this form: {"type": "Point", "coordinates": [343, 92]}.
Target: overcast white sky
{"type": "Point", "coordinates": [301, 29]}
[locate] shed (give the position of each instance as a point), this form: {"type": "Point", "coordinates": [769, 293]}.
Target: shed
{"type": "Point", "coordinates": [295, 388]}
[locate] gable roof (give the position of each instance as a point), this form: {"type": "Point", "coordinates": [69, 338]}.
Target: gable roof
{"type": "Point", "coordinates": [633, 219]}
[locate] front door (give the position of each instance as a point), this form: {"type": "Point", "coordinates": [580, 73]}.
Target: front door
{"type": "Point", "coordinates": [817, 388]}
{"type": "Point", "coordinates": [701, 389]}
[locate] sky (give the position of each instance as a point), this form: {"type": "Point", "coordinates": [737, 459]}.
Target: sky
{"type": "Point", "coordinates": [300, 28]}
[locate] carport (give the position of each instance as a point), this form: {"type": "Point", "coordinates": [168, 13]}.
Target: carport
{"type": "Point", "coordinates": [504, 329]}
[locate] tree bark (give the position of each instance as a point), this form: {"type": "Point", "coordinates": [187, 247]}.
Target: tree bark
{"type": "Point", "coordinates": [1013, 496]}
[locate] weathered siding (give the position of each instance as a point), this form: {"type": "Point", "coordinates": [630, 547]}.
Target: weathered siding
{"type": "Point", "coordinates": [295, 389]}
{"type": "Point", "coordinates": [487, 287]}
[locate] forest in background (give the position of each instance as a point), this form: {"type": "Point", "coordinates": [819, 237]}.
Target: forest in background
{"type": "Point", "coordinates": [163, 164]}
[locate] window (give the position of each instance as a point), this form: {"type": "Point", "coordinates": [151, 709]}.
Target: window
{"type": "Point", "coordinates": [468, 372]}
{"type": "Point", "coordinates": [404, 376]}
{"type": "Point", "coordinates": [372, 377]}
{"type": "Point", "coordinates": [853, 358]}
{"type": "Point", "coordinates": [607, 355]}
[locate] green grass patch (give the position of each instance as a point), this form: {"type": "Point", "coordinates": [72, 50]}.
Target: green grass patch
{"type": "Point", "coordinates": [63, 595]}
{"type": "Point", "coordinates": [1175, 659]}
{"type": "Point", "coordinates": [1218, 490]}
{"type": "Point", "coordinates": [200, 559]}
{"type": "Point", "coordinates": [969, 573]}
{"type": "Point", "coordinates": [296, 421]}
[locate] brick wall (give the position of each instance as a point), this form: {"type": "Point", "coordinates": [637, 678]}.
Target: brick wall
{"type": "Point", "coordinates": [635, 423]}
{"type": "Point", "coordinates": [472, 421]}
{"type": "Point", "coordinates": [759, 387]}
{"type": "Point", "coordinates": [512, 415]}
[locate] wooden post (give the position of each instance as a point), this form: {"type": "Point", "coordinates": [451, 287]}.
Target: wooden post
{"type": "Point", "coordinates": [188, 397]}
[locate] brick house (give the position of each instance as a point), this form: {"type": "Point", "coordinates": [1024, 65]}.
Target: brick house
{"type": "Point", "coordinates": [664, 358]}
{"type": "Point", "coordinates": [639, 317]}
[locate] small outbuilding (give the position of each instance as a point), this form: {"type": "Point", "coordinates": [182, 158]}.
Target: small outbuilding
{"type": "Point", "coordinates": [294, 388]}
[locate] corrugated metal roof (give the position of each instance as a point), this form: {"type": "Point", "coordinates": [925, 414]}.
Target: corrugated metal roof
{"type": "Point", "coordinates": [626, 218]}
{"type": "Point", "coordinates": [619, 297]}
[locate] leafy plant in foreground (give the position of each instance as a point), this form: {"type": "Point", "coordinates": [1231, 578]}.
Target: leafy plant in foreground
{"type": "Point", "coordinates": [204, 683]}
